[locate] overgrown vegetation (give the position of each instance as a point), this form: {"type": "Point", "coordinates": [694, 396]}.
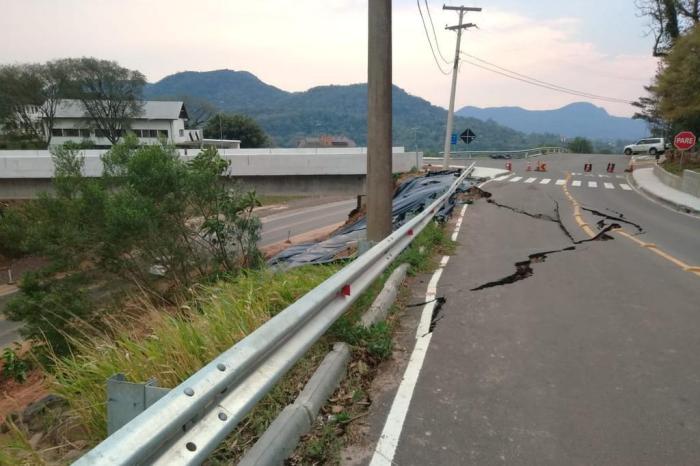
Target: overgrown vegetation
{"type": "Point", "coordinates": [172, 343]}
{"type": "Point", "coordinates": [672, 102]}
{"type": "Point", "coordinates": [13, 366]}
{"type": "Point", "coordinates": [580, 145]}
{"type": "Point", "coordinates": [152, 221]}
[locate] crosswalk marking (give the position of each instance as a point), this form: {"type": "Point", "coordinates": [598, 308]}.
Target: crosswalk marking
{"type": "Point", "coordinates": [592, 184]}
{"type": "Point", "coordinates": [564, 182]}
{"type": "Point", "coordinates": [560, 182]}
{"type": "Point", "coordinates": [501, 178]}
{"type": "Point", "coordinates": [620, 177]}
{"type": "Point", "coordinates": [576, 183]}
{"type": "Point", "coordinates": [517, 178]}
{"type": "Point", "coordinates": [625, 187]}
{"type": "Point", "coordinates": [545, 181]}
{"type": "Point", "coordinates": [609, 185]}
{"type": "Point", "coordinates": [530, 180]}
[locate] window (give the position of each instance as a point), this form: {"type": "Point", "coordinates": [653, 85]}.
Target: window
{"type": "Point", "coordinates": [182, 132]}
{"type": "Point", "coordinates": [100, 133]}
{"type": "Point", "coordinates": [71, 132]}
{"type": "Point", "coordinates": [57, 132]}
{"type": "Point", "coordinates": [84, 133]}
{"type": "Point", "coordinates": [163, 133]}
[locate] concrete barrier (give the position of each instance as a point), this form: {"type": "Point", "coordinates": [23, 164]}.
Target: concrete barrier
{"type": "Point", "coordinates": [688, 183]}
{"type": "Point", "coordinates": [25, 173]}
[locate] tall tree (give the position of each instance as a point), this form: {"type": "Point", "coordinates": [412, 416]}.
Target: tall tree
{"type": "Point", "coordinates": [239, 127]}
{"type": "Point", "coordinates": [669, 19]}
{"type": "Point", "coordinates": [29, 97]}
{"type": "Point", "coordinates": [678, 86]}
{"type": "Point", "coordinates": [110, 94]}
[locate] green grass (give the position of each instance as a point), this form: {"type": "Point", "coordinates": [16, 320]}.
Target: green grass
{"type": "Point", "coordinates": [170, 345]}
{"type": "Point", "coordinates": [675, 166]}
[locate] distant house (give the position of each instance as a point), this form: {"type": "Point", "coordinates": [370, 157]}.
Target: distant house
{"type": "Point", "coordinates": [326, 141]}
{"type": "Point", "coordinates": [159, 120]}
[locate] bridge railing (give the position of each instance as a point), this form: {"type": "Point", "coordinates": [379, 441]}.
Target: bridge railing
{"type": "Point", "coordinates": [189, 422]}
{"type": "Point", "coordinates": [516, 154]}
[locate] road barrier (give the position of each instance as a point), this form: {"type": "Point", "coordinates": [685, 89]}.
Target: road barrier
{"type": "Point", "coordinates": [509, 166]}
{"type": "Point", "coordinates": [611, 168]}
{"type": "Point", "coordinates": [515, 154]}
{"type": "Point", "coordinates": [587, 167]}
{"type": "Point", "coordinates": [189, 422]}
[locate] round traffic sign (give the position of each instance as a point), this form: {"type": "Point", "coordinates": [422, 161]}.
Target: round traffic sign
{"type": "Point", "coordinates": [684, 140]}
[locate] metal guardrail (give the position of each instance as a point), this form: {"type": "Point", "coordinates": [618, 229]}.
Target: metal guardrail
{"type": "Point", "coordinates": [188, 423]}
{"type": "Point", "coordinates": [521, 154]}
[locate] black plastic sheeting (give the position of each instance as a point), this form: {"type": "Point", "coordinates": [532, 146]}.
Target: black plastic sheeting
{"type": "Point", "coordinates": [410, 198]}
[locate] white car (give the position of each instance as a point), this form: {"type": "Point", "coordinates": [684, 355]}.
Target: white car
{"type": "Point", "coordinates": [651, 146]}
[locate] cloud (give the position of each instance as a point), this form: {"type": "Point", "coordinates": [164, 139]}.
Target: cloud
{"type": "Point", "coordinates": [297, 44]}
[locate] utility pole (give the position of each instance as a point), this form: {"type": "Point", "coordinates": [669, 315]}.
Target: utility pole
{"type": "Point", "coordinates": [455, 69]}
{"type": "Point", "coordinates": [380, 185]}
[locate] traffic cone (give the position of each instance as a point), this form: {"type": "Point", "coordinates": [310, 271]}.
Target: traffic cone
{"type": "Point", "coordinates": [543, 167]}
{"type": "Point", "coordinates": [529, 166]}
{"type": "Point", "coordinates": [612, 168]}
{"type": "Point", "coordinates": [509, 166]}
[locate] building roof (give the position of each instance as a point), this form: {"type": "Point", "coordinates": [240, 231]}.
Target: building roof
{"type": "Point", "coordinates": [152, 110]}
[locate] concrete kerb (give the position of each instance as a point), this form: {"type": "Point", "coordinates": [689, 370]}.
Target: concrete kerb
{"type": "Point", "coordinates": [672, 205]}
{"type": "Point", "coordinates": [385, 299]}
{"type": "Point", "coordinates": [282, 436]}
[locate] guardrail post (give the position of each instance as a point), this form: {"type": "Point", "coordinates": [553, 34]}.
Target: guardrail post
{"type": "Point", "coordinates": [126, 400]}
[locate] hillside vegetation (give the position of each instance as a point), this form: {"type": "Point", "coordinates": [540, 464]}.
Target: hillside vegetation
{"type": "Point", "coordinates": [335, 109]}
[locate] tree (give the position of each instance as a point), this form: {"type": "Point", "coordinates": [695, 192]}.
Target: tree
{"type": "Point", "coordinates": [669, 19]}
{"type": "Point", "coordinates": [199, 110]}
{"type": "Point", "coordinates": [151, 213]}
{"type": "Point", "coordinates": [29, 97]}
{"type": "Point", "coordinates": [580, 145]}
{"type": "Point", "coordinates": [239, 127]}
{"type": "Point", "coordinates": [678, 86]}
{"type": "Point", "coordinates": [110, 94]}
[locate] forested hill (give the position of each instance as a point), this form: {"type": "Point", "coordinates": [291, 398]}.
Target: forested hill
{"type": "Point", "coordinates": [338, 110]}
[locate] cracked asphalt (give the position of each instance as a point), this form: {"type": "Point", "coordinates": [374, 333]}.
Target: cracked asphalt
{"type": "Point", "coordinates": [555, 349]}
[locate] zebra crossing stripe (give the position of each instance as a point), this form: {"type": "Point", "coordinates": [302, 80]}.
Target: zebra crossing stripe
{"type": "Point", "coordinates": [620, 177]}
{"type": "Point", "coordinates": [576, 183]}
{"type": "Point", "coordinates": [501, 178]}
{"type": "Point", "coordinates": [560, 182]}
{"type": "Point", "coordinates": [625, 187]}
{"type": "Point", "coordinates": [517, 178]}
{"type": "Point", "coordinates": [609, 185]}
{"type": "Point", "coordinates": [592, 184]}
{"type": "Point", "coordinates": [530, 180]}
{"type": "Point", "coordinates": [545, 181]}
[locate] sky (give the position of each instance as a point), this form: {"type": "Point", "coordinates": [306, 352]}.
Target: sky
{"type": "Point", "coordinates": [596, 46]}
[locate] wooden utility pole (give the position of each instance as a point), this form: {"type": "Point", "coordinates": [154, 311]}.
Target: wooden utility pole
{"type": "Point", "coordinates": [455, 69]}
{"type": "Point", "coordinates": [380, 186]}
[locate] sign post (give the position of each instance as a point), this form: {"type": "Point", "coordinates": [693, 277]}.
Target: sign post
{"type": "Point", "coordinates": [684, 141]}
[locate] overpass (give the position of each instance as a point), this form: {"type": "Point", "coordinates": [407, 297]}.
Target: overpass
{"type": "Point", "coordinates": [26, 173]}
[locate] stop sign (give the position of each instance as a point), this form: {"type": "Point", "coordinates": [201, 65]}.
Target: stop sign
{"type": "Point", "coordinates": [684, 140]}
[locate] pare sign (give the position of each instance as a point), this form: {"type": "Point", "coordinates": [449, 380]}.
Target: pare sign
{"type": "Point", "coordinates": [685, 140]}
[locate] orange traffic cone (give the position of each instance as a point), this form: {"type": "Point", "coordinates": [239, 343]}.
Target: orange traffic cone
{"type": "Point", "coordinates": [529, 166]}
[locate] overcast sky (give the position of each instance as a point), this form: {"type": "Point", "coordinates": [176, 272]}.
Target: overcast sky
{"type": "Point", "coordinates": [596, 46]}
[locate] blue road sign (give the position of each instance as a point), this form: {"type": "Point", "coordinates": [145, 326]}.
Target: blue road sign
{"type": "Point", "coordinates": [454, 138]}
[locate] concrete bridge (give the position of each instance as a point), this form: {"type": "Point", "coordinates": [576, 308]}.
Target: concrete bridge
{"type": "Point", "coordinates": [26, 173]}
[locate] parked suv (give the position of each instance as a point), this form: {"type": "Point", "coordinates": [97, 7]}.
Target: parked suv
{"type": "Point", "coordinates": [651, 146]}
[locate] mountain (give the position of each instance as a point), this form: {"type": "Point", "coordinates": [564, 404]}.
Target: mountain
{"type": "Point", "coordinates": [334, 109]}
{"type": "Point", "coordinates": [577, 119]}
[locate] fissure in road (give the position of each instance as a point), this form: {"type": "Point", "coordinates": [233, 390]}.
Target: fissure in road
{"type": "Point", "coordinates": [523, 269]}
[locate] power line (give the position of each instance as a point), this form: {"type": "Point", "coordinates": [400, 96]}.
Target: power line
{"type": "Point", "coordinates": [537, 82]}
{"type": "Point", "coordinates": [427, 36]}
{"type": "Point", "coordinates": [432, 25]}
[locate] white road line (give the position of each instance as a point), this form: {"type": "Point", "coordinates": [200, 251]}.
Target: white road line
{"type": "Point", "coordinates": [529, 180]}
{"type": "Point", "coordinates": [620, 176]}
{"type": "Point", "coordinates": [603, 176]}
{"type": "Point", "coordinates": [576, 183]}
{"type": "Point", "coordinates": [592, 184]}
{"type": "Point", "coordinates": [625, 187]}
{"type": "Point", "coordinates": [501, 178]}
{"type": "Point", "coordinates": [545, 181]}
{"type": "Point", "coordinates": [560, 182]}
{"type": "Point", "coordinates": [389, 439]}
{"type": "Point", "coordinates": [514, 179]}
{"type": "Point", "coordinates": [609, 185]}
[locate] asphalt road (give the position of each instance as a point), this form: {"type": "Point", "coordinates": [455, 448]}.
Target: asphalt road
{"type": "Point", "coordinates": [281, 226]}
{"type": "Point", "coordinates": [588, 358]}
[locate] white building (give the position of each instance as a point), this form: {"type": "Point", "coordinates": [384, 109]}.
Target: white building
{"type": "Point", "coordinates": [159, 120]}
